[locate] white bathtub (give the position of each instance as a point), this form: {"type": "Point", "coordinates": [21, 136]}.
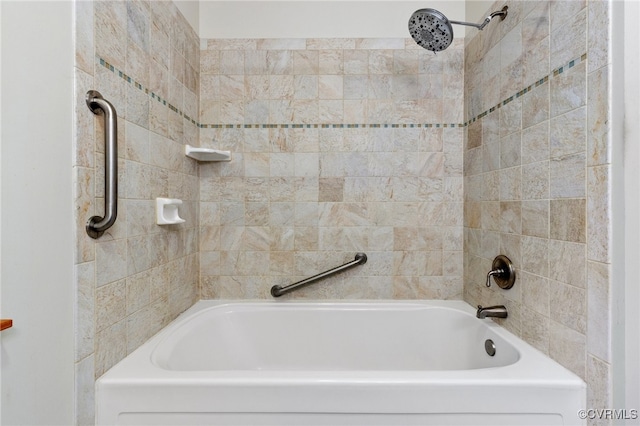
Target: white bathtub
{"type": "Point", "coordinates": [373, 363]}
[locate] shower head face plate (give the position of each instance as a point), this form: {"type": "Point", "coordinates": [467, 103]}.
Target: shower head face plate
{"type": "Point", "coordinates": [430, 29]}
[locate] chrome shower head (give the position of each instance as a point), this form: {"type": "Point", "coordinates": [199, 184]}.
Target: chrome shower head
{"type": "Point", "coordinates": [432, 30]}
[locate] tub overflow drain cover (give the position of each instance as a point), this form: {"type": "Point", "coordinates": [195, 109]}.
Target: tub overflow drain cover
{"type": "Point", "coordinates": [490, 347]}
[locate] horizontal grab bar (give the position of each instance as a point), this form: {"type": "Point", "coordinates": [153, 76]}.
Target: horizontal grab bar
{"type": "Point", "coordinates": [277, 290]}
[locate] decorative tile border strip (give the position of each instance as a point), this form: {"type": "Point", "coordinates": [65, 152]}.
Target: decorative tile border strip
{"type": "Point", "coordinates": [146, 90]}
{"type": "Point", "coordinates": [330, 126]}
{"type": "Point", "coordinates": [556, 72]}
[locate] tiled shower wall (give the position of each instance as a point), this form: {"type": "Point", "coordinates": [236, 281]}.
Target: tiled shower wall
{"type": "Point", "coordinates": [537, 172]}
{"type": "Point", "coordinates": [144, 58]}
{"type": "Point", "coordinates": [338, 146]}
{"type": "Point", "coordinates": [346, 145]}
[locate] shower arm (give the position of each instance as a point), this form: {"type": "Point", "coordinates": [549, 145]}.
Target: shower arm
{"type": "Point", "coordinates": [502, 13]}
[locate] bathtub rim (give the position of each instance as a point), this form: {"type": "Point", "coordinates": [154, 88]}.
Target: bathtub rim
{"type": "Point", "coordinates": [175, 334]}
{"type": "Point", "coordinates": [138, 367]}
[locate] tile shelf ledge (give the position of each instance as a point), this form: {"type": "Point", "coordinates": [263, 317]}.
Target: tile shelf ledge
{"type": "Point", "coordinates": [5, 323]}
{"type": "Point", "coordinates": [206, 154]}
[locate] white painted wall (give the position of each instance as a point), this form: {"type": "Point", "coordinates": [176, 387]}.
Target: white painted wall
{"type": "Point", "coordinates": [190, 9]}
{"type": "Point", "coordinates": [317, 19]}
{"type": "Point", "coordinates": [321, 19]}
{"type": "Point", "coordinates": [37, 212]}
{"type": "Point", "coordinates": [476, 10]}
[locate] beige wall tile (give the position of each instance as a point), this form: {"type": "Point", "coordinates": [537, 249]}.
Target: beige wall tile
{"type": "Point", "coordinates": [568, 32]}
{"type": "Point", "coordinates": [150, 71]}
{"type": "Point", "coordinates": [511, 217]}
{"type": "Point", "coordinates": [535, 255]}
{"type": "Point", "coordinates": [598, 38]}
{"type": "Point", "coordinates": [372, 188]}
{"type": "Point", "coordinates": [510, 118]}
{"type": "Point", "coordinates": [85, 310]}
{"type": "Point", "coordinates": [568, 347]}
{"type": "Point", "coordinates": [535, 106]}
{"type": "Point", "coordinates": [111, 261]}
{"type": "Point", "coordinates": [568, 133]}
{"type": "Point", "coordinates": [568, 90]}
{"type": "Point", "coordinates": [600, 384]}
{"type": "Point", "coordinates": [144, 323]}
{"type": "Point", "coordinates": [599, 316]}
{"type": "Point", "coordinates": [562, 254]}
{"type": "Point", "coordinates": [138, 288]}
{"type": "Point", "coordinates": [599, 217]}
{"type": "Point", "coordinates": [111, 347]}
{"type": "Point", "coordinates": [565, 190]}
{"type": "Point", "coordinates": [568, 220]}
{"type": "Point", "coordinates": [569, 305]}
{"type": "Point", "coordinates": [510, 183]}
{"type": "Point", "coordinates": [599, 118]}
{"type": "Point", "coordinates": [510, 150]}
{"type": "Point", "coordinates": [535, 329]}
{"type": "Point", "coordinates": [536, 293]}
{"type": "Point", "coordinates": [535, 180]}
{"type": "Point", "coordinates": [84, 199]}
{"type": "Point", "coordinates": [535, 218]}
{"type": "Point", "coordinates": [567, 176]}
{"type": "Point", "coordinates": [84, 386]}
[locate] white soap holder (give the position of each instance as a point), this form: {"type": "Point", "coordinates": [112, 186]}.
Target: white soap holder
{"type": "Point", "coordinates": [167, 211]}
{"type": "Point", "coordinates": [206, 154]}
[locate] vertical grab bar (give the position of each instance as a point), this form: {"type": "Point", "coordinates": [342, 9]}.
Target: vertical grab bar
{"type": "Point", "coordinates": [98, 105]}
